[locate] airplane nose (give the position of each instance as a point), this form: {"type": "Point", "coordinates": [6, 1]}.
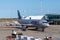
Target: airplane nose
{"type": "Point", "coordinates": [47, 24]}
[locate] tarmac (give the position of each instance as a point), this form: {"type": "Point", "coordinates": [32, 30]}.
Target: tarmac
{"type": "Point", "coordinates": [53, 31]}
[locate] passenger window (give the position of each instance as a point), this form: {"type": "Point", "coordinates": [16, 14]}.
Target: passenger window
{"type": "Point", "coordinates": [33, 22]}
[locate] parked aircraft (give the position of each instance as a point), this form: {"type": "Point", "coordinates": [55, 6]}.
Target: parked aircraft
{"type": "Point", "coordinates": [33, 21]}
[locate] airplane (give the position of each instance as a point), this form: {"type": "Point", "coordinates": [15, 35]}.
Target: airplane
{"type": "Point", "coordinates": [32, 21]}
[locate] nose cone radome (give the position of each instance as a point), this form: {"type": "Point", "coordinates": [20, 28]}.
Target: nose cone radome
{"type": "Point", "coordinates": [47, 25]}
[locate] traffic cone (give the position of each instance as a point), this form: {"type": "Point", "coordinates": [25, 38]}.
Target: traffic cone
{"type": "Point", "coordinates": [9, 38]}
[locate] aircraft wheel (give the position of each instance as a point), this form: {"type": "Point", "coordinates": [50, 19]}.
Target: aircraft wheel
{"type": "Point", "coordinates": [36, 28]}
{"type": "Point", "coordinates": [24, 28]}
{"type": "Point", "coordinates": [43, 29]}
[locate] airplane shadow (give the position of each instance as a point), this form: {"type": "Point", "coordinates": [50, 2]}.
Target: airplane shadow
{"type": "Point", "coordinates": [39, 30]}
{"type": "Point", "coordinates": [36, 30]}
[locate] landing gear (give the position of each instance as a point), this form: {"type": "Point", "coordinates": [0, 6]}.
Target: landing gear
{"type": "Point", "coordinates": [36, 28]}
{"type": "Point", "coordinates": [24, 28]}
{"type": "Point", "coordinates": [42, 29]}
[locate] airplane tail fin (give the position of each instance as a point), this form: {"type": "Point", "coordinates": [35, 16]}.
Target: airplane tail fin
{"type": "Point", "coordinates": [19, 16]}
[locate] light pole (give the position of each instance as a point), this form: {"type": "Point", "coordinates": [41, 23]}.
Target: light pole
{"type": "Point", "coordinates": [41, 8]}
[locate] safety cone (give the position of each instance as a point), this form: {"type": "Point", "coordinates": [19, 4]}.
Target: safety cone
{"type": "Point", "coordinates": [9, 38]}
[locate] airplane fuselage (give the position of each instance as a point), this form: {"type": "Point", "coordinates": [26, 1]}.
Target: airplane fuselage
{"type": "Point", "coordinates": [36, 23]}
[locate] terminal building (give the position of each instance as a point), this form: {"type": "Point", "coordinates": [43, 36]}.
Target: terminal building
{"type": "Point", "coordinates": [53, 19]}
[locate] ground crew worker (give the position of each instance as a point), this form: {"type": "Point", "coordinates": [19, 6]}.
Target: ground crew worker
{"type": "Point", "coordinates": [13, 33]}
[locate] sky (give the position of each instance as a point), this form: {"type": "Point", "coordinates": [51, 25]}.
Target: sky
{"type": "Point", "coordinates": [8, 8]}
